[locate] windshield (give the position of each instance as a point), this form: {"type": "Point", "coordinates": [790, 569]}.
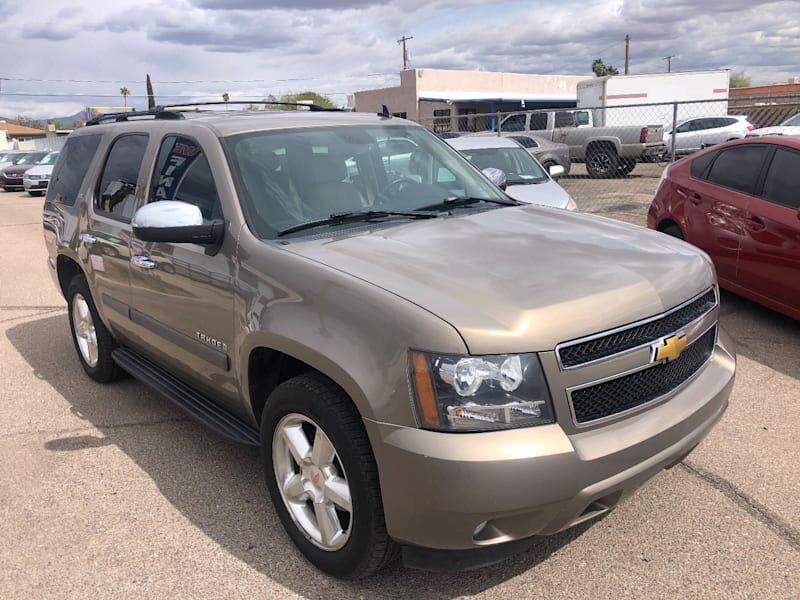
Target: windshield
{"type": "Point", "coordinates": [49, 159]}
{"type": "Point", "coordinates": [792, 121]}
{"type": "Point", "coordinates": [289, 177]}
{"type": "Point", "coordinates": [516, 163]}
{"type": "Point", "coordinates": [30, 159]}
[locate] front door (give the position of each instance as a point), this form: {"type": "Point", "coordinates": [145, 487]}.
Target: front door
{"type": "Point", "coordinates": [182, 294]}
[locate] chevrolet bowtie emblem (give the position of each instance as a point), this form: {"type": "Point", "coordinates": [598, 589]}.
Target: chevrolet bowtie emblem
{"type": "Point", "coordinates": [668, 349]}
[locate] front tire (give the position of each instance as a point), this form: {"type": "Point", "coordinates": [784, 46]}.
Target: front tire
{"type": "Point", "coordinates": [93, 342]}
{"type": "Point", "coordinates": [35, 193]}
{"type": "Point", "coordinates": [322, 477]}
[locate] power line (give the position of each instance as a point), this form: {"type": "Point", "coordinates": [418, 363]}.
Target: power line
{"type": "Point", "coordinates": [188, 81]}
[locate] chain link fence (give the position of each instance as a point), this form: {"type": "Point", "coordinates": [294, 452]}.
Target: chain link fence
{"type": "Point", "coordinates": [614, 156]}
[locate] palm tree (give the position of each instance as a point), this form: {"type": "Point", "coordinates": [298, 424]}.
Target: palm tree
{"type": "Point", "coordinates": [225, 98]}
{"type": "Point", "coordinates": [125, 93]}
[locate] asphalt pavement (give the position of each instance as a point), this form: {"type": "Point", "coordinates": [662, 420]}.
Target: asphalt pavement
{"type": "Point", "coordinates": [110, 492]}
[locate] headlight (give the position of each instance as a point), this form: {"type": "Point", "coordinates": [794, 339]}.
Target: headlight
{"type": "Point", "coordinates": [571, 204]}
{"type": "Point", "coordinates": [479, 393]}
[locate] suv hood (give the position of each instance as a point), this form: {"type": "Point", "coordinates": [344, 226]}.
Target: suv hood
{"type": "Point", "coordinates": [546, 193]}
{"type": "Point", "coordinates": [777, 130]}
{"type": "Point", "coordinates": [524, 278]}
{"type": "Point", "coordinates": [17, 169]}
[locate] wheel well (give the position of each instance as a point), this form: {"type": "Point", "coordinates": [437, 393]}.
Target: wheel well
{"type": "Point", "coordinates": [66, 269]}
{"type": "Point", "coordinates": [666, 224]}
{"type": "Point", "coordinates": [597, 145]}
{"type": "Point", "coordinates": [267, 369]}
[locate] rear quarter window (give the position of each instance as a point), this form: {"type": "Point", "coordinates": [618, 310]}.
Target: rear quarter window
{"type": "Point", "coordinates": [700, 165]}
{"type": "Point", "coordinates": [71, 167]}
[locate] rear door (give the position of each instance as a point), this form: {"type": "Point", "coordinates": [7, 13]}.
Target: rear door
{"type": "Point", "coordinates": [716, 201]}
{"type": "Point", "coordinates": [769, 262]}
{"type": "Point", "coordinates": [107, 234]}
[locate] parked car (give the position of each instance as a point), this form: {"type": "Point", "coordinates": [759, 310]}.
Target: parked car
{"type": "Point", "coordinates": [11, 176]}
{"type": "Point", "coordinates": [526, 179]}
{"type": "Point", "coordinates": [430, 368]}
{"type": "Point", "coordinates": [740, 202]}
{"type": "Point", "coordinates": [10, 157]}
{"type": "Point", "coordinates": [36, 178]}
{"type": "Point", "coordinates": [607, 151]}
{"type": "Point", "coordinates": [549, 154]}
{"type": "Point", "coordinates": [696, 133]}
{"type": "Point", "coordinates": [790, 126]}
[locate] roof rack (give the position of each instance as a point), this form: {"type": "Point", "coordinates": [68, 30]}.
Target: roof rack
{"type": "Point", "coordinates": [175, 111]}
{"type": "Point", "coordinates": [311, 107]}
{"type": "Point", "coordinates": [159, 112]}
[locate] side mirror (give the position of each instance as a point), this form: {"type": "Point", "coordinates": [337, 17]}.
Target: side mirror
{"type": "Point", "coordinates": [556, 171]}
{"type": "Point", "coordinates": [175, 222]}
{"type": "Point", "coordinates": [497, 177]}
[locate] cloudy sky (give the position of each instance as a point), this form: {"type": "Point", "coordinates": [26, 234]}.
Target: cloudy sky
{"type": "Point", "coordinates": [61, 55]}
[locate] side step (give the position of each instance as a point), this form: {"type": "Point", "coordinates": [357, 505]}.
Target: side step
{"type": "Point", "coordinates": [198, 406]}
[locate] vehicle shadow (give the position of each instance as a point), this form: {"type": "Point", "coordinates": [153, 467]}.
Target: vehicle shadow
{"type": "Point", "coordinates": [761, 334]}
{"type": "Point", "coordinates": [218, 485]}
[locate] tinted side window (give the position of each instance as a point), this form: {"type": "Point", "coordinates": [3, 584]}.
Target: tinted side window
{"type": "Point", "coordinates": [182, 173]}
{"type": "Point", "coordinates": [524, 141]}
{"type": "Point", "coordinates": [116, 194]}
{"type": "Point", "coordinates": [538, 121]}
{"type": "Point", "coordinates": [738, 168]}
{"type": "Point", "coordinates": [782, 185]}
{"type": "Point", "coordinates": [564, 119]}
{"type": "Point", "coordinates": [71, 167]}
{"type": "Point", "coordinates": [700, 163]}
{"type": "Point", "coordinates": [514, 123]}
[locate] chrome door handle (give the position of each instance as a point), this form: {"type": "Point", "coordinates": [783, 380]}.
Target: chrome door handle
{"type": "Point", "coordinates": [88, 239]}
{"type": "Point", "coordinates": [143, 262]}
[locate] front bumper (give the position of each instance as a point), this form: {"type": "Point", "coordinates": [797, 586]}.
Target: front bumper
{"type": "Point", "coordinates": [465, 491]}
{"type": "Point", "coordinates": [11, 182]}
{"type": "Point", "coordinates": [34, 184]}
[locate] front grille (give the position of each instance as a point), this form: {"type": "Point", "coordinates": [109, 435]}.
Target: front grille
{"type": "Point", "coordinates": [638, 335]}
{"type": "Point", "coordinates": [629, 391]}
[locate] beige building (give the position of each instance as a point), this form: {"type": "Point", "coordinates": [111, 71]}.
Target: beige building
{"type": "Point", "coordinates": [446, 100]}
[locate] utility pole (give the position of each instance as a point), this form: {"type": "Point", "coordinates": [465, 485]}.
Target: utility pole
{"type": "Point", "coordinates": [627, 51]}
{"type": "Point", "coordinates": [403, 41]}
{"type": "Point", "coordinates": [669, 62]}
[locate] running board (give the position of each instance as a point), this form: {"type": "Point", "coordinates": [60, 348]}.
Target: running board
{"type": "Point", "coordinates": [198, 406]}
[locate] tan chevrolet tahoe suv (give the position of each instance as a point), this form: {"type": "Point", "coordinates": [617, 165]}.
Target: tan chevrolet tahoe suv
{"type": "Point", "coordinates": [430, 369]}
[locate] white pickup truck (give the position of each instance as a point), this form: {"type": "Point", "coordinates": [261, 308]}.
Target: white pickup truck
{"type": "Point", "coordinates": [607, 151]}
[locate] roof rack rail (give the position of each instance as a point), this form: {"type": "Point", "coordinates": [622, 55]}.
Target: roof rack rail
{"type": "Point", "coordinates": [159, 112]}
{"type": "Point", "coordinates": [311, 107]}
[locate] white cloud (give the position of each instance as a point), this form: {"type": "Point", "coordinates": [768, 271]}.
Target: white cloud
{"type": "Point", "coordinates": [293, 46]}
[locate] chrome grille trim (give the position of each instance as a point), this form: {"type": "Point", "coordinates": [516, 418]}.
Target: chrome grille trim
{"type": "Point", "coordinates": [644, 405]}
{"type": "Point", "coordinates": [610, 332]}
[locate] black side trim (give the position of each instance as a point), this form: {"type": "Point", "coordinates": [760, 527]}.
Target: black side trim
{"type": "Point", "coordinates": [117, 305]}
{"type": "Point", "coordinates": [207, 353]}
{"type": "Point", "coordinates": [430, 559]}
{"type": "Point", "coordinates": [198, 406]}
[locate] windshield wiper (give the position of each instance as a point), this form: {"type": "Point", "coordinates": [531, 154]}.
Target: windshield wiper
{"type": "Point", "coordinates": [358, 215]}
{"type": "Point", "coordinates": [456, 201]}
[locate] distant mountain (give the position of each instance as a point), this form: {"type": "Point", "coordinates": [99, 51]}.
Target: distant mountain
{"type": "Point", "coordinates": [66, 121]}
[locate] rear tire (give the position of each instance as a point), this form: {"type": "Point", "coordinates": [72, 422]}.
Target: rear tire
{"type": "Point", "coordinates": [300, 482]}
{"type": "Point", "coordinates": [602, 162]}
{"type": "Point", "coordinates": [93, 342]}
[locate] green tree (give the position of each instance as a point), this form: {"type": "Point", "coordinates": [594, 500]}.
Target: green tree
{"type": "Point", "coordinates": [151, 98]}
{"type": "Point", "coordinates": [125, 93]}
{"type": "Point", "coordinates": [28, 122]}
{"type": "Point", "coordinates": [740, 80]}
{"type": "Point", "coordinates": [225, 98]}
{"type": "Point", "coordinates": [601, 69]}
{"type": "Point", "coordinates": [307, 96]}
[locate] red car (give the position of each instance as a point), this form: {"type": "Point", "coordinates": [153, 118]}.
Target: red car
{"type": "Point", "coordinates": [740, 202]}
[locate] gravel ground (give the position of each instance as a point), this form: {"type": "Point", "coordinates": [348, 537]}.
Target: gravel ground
{"type": "Point", "coordinates": [108, 491]}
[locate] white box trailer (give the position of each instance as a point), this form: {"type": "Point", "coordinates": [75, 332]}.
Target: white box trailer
{"type": "Point", "coordinates": [611, 96]}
